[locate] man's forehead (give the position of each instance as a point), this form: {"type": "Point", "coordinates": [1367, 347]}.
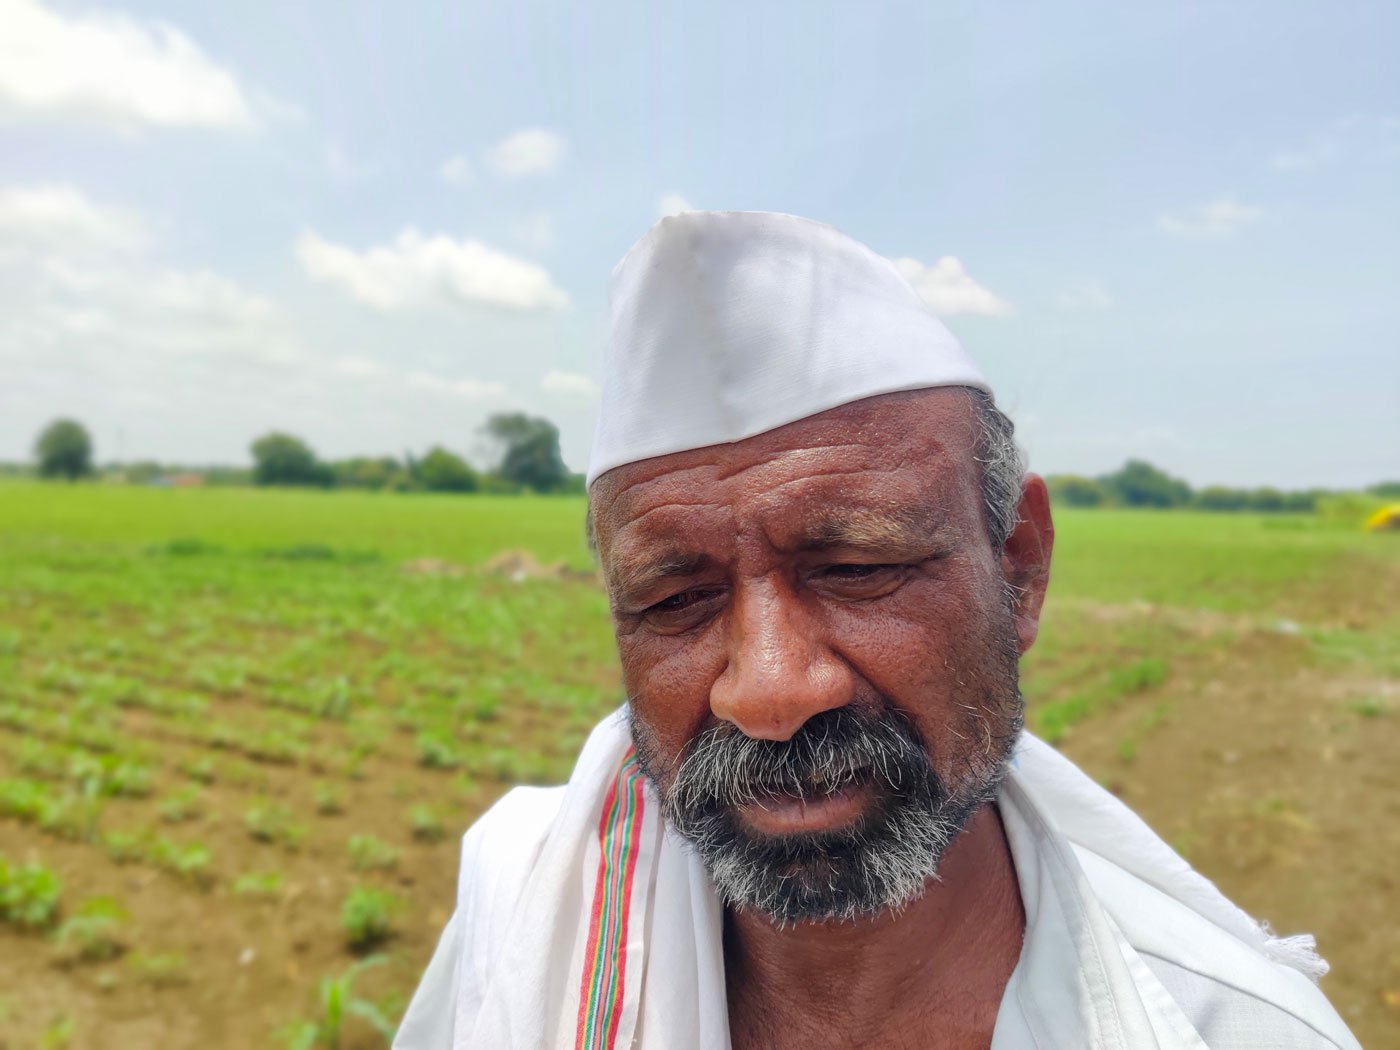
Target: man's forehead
{"type": "Point", "coordinates": [842, 465]}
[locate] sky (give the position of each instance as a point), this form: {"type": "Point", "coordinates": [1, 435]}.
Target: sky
{"type": "Point", "coordinates": [1169, 231]}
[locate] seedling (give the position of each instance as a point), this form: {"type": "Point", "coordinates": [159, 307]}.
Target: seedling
{"type": "Point", "coordinates": [367, 916]}
{"type": "Point", "coordinates": [368, 853]}
{"type": "Point", "coordinates": [272, 822]}
{"type": "Point", "coordinates": [426, 824]}
{"type": "Point", "coordinates": [334, 1002]}
{"type": "Point", "coordinates": [89, 934]}
{"type": "Point", "coordinates": [28, 895]}
{"type": "Point", "coordinates": [330, 800]}
{"type": "Point", "coordinates": [264, 884]}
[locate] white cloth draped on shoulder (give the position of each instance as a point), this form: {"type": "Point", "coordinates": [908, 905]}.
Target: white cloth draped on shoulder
{"type": "Point", "coordinates": [583, 923]}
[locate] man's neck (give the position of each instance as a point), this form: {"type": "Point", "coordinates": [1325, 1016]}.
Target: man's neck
{"type": "Point", "coordinates": [937, 969]}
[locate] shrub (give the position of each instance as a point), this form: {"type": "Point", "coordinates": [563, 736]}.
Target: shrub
{"type": "Point", "coordinates": [367, 916]}
{"type": "Point", "coordinates": [368, 853]}
{"type": "Point", "coordinates": [28, 895]}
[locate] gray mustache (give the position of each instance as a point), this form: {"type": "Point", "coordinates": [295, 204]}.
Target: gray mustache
{"type": "Point", "coordinates": [723, 768]}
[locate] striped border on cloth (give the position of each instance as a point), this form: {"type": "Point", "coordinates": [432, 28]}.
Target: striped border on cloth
{"type": "Point", "coordinates": [605, 959]}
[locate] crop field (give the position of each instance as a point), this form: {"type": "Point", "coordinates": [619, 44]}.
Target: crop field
{"type": "Point", "coordinates": [241, 732]}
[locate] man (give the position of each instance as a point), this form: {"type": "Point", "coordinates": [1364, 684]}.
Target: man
{"type": "Point", "coordinates": [818, 821]}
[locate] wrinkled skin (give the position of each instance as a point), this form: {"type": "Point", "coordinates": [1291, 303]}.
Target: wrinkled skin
{"type": "Point", "coordinates": [839, 558]}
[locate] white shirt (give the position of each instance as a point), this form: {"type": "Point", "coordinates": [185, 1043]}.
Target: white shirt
{"type": "Point", "coordinates": [1109, 960]}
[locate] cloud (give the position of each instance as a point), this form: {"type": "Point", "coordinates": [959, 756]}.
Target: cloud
{"type": "Point", "coordinates": [84, 311]}
{"type": "Point", "coordinates": [456, 171]}
{"type": "Point", "coordinates": [947, 288]}
{"type": "Point", "coordinates": [1219, 218]}
{"type": "Point", "coordinates": [415, 270]}
{"type": "Point", "coordinates": [362, 367]}
{"type": "Point", "coordinates": [1356, 136]}
{"type": "Point", "coordinates": [672, 204]}
{"type": "Point", "coordinates": [531, 151]}
{"type": "Point", "coordinates": [344, 168]}
{"type": "Point", "coordinates": [184, 363]}
{"type": "Point", "coordinates": [569, 384]}
{"type": "Point", "coordinates": [470, 389]}
{"type": "Point", "coordinates": [1086, 296]}
{"type": "Point", "coordinates": [535, 230]}
{"type": "Point", "coordinates": [55, 216]}
{"type": "Point", "coordinates": [112, 70]}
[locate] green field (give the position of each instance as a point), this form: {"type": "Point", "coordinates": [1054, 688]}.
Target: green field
{"type": "Point", "coordinates": [251, 725]}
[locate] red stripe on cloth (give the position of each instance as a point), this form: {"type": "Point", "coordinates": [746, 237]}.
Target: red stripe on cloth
{"type": "Point", "coordinates": [629, 871]}
{"type": "Point", "coordinates": [595, 914]}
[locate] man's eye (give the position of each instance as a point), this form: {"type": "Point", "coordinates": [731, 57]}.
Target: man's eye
{"type": "Point", "coordinates": [680, 602]}
{"type": "Point", "coordinates": [857, 572]}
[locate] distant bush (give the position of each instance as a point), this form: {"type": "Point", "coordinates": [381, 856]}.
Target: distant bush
{"type": "Point", "coordinates": [1075, 491]}
{"type": "Point", "coordinates": [185, 547]}
{"type": "Point", "coordinates": [1139, 484]}
{"type": "Point", "coordinates": [64, 450]}
{"type": "Point", "coordinates": [442, 471]}
{"type": "Point", "coordinates": [283, 459]}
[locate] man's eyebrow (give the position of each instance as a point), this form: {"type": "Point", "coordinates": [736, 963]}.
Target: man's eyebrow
{"type": "Point", "coordinates": [628, 579]}
{"type": "Point", "coordinates": [914, 528]}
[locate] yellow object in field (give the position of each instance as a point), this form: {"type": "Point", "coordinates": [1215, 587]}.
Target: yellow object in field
{"type": "Point", "coordinates": [1388, 517]}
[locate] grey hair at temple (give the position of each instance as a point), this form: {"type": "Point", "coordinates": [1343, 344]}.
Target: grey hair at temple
{"type": "Point", "coordinates": [1003, 468]}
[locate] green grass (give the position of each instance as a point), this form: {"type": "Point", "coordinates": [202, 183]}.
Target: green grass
{"type": "Point", "coordinates": [1225, 562]}
{"type": "Point", "coordinates": [205, 523]}
{"type": "Point", "coordinates": [218, 688]}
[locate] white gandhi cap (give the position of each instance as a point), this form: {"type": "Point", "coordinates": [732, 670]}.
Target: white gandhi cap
{"type": "Point", "coordinates": [727, 324]}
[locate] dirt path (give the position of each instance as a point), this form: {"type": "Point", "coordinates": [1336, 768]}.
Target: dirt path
{"type": "Point", "coordinates": [1273, 767]}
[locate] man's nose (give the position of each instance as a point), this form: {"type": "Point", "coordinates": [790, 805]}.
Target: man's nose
{"type": "Point", "coordinates": [780, 671]}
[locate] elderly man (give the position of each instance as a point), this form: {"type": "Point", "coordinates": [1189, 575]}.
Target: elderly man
{"type": "Point", "coordinates": [818, 821]}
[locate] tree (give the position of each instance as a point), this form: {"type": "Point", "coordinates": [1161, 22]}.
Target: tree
{"type": "Point", "coordinates": [531, 454]}
{"type": "Point", "coordinates": [1221, 497]}
{"type": "Point", "coordinates": [1139, 484]}
{"type": "Point", "coordinates": [442, 471]}
{"type": "Point", "coordinates": [64, 450]}
{"type": "Point", "coordinates": [283, 459]}
{"type": "Point", "coordinates": [1075, 491]}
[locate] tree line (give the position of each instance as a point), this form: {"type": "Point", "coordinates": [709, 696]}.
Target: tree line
{"type": "Point", "coordinates": [1140, 484]}
{"type": "Point", "coordinates": [526, 457]}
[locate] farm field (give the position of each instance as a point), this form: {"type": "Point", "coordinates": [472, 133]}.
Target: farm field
{"type": "Point", "coordinates": [244, 729]}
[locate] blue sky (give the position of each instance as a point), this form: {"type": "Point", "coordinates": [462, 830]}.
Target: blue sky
{"type": "Point", "coordinates": [1164, 230]}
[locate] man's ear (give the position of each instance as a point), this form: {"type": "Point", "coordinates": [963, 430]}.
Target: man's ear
{"type": "Point", "coordinates": [1025, 559]}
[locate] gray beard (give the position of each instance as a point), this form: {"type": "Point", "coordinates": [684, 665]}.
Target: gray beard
{"type": "Point", "coordinates": [882, 861]}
